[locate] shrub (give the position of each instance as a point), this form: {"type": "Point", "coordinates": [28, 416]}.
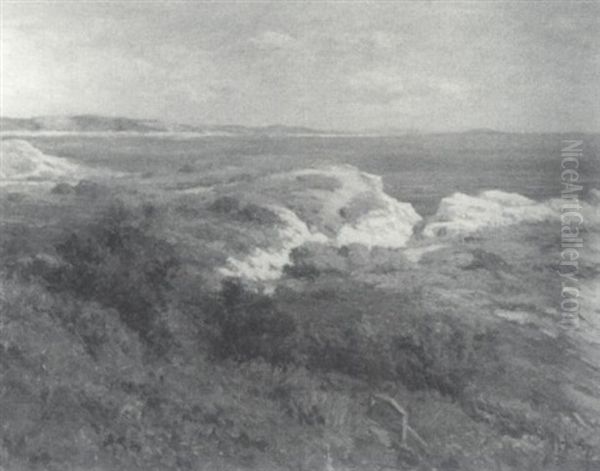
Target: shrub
{"type": "Point", "coordinates": [440, 353]}
{"type": "Point", "coordinates": [336, 344]}
{"type": "Point", "coordinates": [315, 182]}
{"type": "Point", "coordinates": [187, 168]}
{"type": "Point", "coordinates": [225, 205]}
{"type": "Point", "coordinates": [258, 214]}
{"type": "Point", "coordinates": [371, 336]}
{"type": "Point", "coordinates": [247, 213]}
{"type": "Point", "coordinates": [90, 189]}
{"type": "Point", "coordinates": [360, 205]}
{"type": "Point", "coordinates": [312, 259]}
{"type": "Point", "coordinates": [15, 197]}
{"type": "Point", "coordinates": [63, 188]}
{"type": "Point", "coordinates": [119, 263]}
{"type": "Point", "coordinates": [249, 326]}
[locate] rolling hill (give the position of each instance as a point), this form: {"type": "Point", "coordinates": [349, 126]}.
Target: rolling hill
{"type": "Point", "coordinates": [104, 124]}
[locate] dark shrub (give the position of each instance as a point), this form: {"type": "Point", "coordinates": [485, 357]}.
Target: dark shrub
{"type": "Point", "coordinates": [441, 354]}
{"type": "Point", "coordinates": [302, 271]}
{"type": "Point", "coordinates": [42, 265]}
{"type": "Point", "coordinates": [248, 326]}
{"type": "Point", "coordinates": [18, 240]}
{"type": "Point", "coordinates": [484, 260]}
{"type": "Point", "coordinates": [312, 259]}
{"type": "Point", "coordinates": [336, 344]}
{"type": "Point", "coordinates": [15, 197]}
{"type": "Point", "coordinates": [315, 182]}
{"type": "Point", "coordinates": [249, 213]}
{"type": "Point", "coordinates": [90, 189]}
{"type": "Point", "coordinates": [187, 168]}
{"type": "Point", "coordinates": [119, 263]}
{"type": "Point", "coordinates": [259, 214]}
{"type": "Point", "coordinates": [375, 337]}
{"type": "Point", "coordinates": [359, 206]}
{"type": "Point", "coordinates": [63, 188]}
{"type": "Point", "coordinates": [225, 205]}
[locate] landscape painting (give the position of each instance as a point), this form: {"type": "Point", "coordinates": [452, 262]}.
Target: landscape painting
{"type": "Point", "coordinates": [300, 236]}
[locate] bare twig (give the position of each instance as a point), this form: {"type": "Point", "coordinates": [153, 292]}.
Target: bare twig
{"type": "Point", "coordinates": [406, 429]}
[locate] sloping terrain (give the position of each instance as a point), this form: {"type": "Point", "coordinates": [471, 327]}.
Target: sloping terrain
{"type": "Point", "coordinates": [226, 318]}
{"type": "Point", "coordinates": [332, 205]}
{"type": "Point", "coordinates": [21, 161]}
{"type": "Point", "coordinates": [87, 123]}
{"type": "Point", "coordinates": [109, 124]}
{"type": "Point", "coordinates": [462, 214]}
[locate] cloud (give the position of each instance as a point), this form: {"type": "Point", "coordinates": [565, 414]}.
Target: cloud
{"type": "Point", "coordinates": [378, 82]}
{"type": "Point", "coordinates": [273, 40]}
{"type": "Point", "coordinates": [448, 87]}
{"type": "Point", "coordinates": [385, 85]}
{"type": "Point", "coordinates": [328, 65]}
{"type": "Point", "coordinates": [52, 77]}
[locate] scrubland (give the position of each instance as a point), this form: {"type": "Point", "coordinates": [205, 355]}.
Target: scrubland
{"type": "Point", "coordinates": [123, 347]}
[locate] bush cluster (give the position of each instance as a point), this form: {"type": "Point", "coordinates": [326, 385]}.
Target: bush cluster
{"type": "Point", "coordinates": [244, 212]}
{"type": "Point", "coordinates": [332, 332]}
{"type": "Point", "coordinates": [86, 188]}
{"type": "Point", "coordinates": [441, 353]}
{"type": "Point", "coordinates": [405, 344]}
{"type": "Point", "coordinates": [119, 263]}
{"type": "Point", "coordinates": [248, 326]}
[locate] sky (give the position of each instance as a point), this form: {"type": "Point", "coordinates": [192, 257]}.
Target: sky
{"type": "Point", "coordinates": [431, 66]}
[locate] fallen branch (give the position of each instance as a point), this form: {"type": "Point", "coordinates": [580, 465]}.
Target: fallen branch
{"type": "Point", "coordinates": [406, 429]}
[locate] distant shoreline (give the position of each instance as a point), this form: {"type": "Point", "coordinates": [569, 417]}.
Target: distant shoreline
{"type": "Point", "coordinates": [175, 134]}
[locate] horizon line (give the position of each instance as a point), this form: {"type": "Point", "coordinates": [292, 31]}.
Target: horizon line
{"type": "Point", "coordinates": [379, 130]}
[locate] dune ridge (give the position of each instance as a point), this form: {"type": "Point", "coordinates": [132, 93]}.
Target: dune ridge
{"type": "Point", "coordinates": [268, 264]}
{"type": "Point", "coordinates": [335, 205]}
{"type": "Point", "coordinates": [22, 161]}
{"type": "Point", "coordinates": [461, 214]}
{"type": "Point", "coordinates": [340, 205]}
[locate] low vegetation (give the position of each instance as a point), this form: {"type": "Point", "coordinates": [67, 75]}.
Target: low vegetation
{"type": "Point", "coordinates": [120, 264]}
{"type": "Point", "coordinates": [110, 360]}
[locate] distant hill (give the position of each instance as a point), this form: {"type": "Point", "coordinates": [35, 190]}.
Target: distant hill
{"type": "Point", "coordinates": [94, 123]}
{"type": "Point", "coordinates": [485, 131]}
{"type": "Point", "coordinates": [392, 131]}
{"type": "Point", "coordinates": [88, 123]}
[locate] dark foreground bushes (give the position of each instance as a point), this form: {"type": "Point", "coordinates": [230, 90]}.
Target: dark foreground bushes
{"type": "Point", "coordinates": [247, 326]}
{"type": "Point", "coordinates": [360, 333]}
{"type": "Point", "coordinates": [233, 208]}
{"type": "Point", "coordinates": [118, 262]}
{"type": "Point", "coordinates": [441, 353]}
{"type": "Point", "coordinates": [378, 337]}
{"type": "Point", "coordinates": [121, 262]}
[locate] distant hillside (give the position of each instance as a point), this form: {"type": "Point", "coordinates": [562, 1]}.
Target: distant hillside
{"type": "Point", "coordinates": [93, 123]}
{"type": "Point", "coordinates": [81, 123]}
{"type": "Point", "coordinates": [87, 123]}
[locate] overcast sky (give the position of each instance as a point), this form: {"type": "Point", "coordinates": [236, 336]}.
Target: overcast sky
{"type": "Point", "coordinates": [521, 66]}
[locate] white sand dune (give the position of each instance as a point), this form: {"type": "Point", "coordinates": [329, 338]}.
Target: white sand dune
{"type": "Point", "coordinates": [267, 264]}
{"type": "Point", "coordinates": [358, 210]}
{"type": "Point", "coordinates": [19, 160]}
{"type": "Point", "coordinates": [389, 224]}
{"type": "Point", "coordinates": [340, 206]}
{"type": "Point", "coordinates": [461, 214]}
